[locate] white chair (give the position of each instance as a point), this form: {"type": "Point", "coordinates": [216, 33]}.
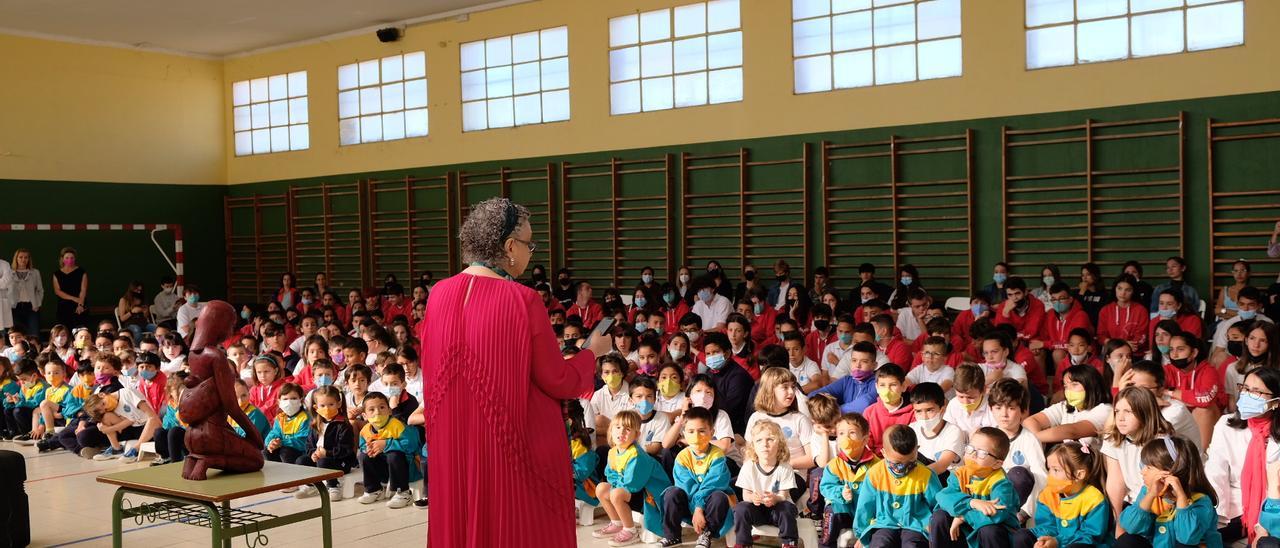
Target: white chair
{"type": "Point", "coordinates": [586, 513]}
{"type": "Point", "coordinates": [957, 304]}
{"type": "Point", "coordinates": [1202, 307]}
{"type": "Point", "coordinates": [646, 536]}
{"type": "Point", "coordinates": [348, 484]}
{"type": "Point", "coordinates": [765, 531]}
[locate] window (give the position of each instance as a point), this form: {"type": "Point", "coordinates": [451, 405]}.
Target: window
{"type": "Point", "coordinates": [516, 80]}
{"type": "Point", "coordinates": [1069, 32]}
{"type": "Point", "coordinates": [671, 58]}
{"type": "Point", "coordinates": [270, 114]}
{"type": "Point", "coordinates": [383, 99]}
{"type": "Point", "coordinates": [838, 44]}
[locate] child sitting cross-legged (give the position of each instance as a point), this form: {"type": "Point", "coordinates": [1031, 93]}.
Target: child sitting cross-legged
{"type": "Point", "coordinates": [979, 504]}
{"type": "Point", "coordinates": [897, 497]}
{"type": "Point", "coordinates": [287, 439]}
{"type": "Point", "coordinates": [584, 459]}
{"type": "Point", "coordinates": [703, 492]}
{"type": "Point", "coordinates": [631, 480]}
{"type": "Point", "coordinates": [765, 477]}
{"type": "Point", "coordinates": [388, 450]}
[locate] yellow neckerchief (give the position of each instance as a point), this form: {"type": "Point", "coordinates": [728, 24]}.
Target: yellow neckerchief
{"type": "Point", "coordinates": [1075, 506]}
{"type": "Point", "coordinates": [178, 416]}
{"type": "Point", "coordinates": [1165, 510]}
{"type": "Point", "coordinates": [82, 392]}
{"type": "Point", "coordinates": [390, 431]}
{"type": "Point", "coordinates": [699, 464]}
{"type": "Point", "coordinates": [978, 487]}
{"type": "Point", "coordinates": [852, 471]}
{"type": "Point", "coordinates": [577, 449]}
{"type": "Point", "coordinates": [31, 391]}
{"type": "Point", "coordinates": [619, 459]}
{"type": "Point", "coordinates": [55, 394]}
{"type": "Point", "coordinates": [247, 408]}
{"type": "Point", "coordinates": [5, 382]}
{"type": "Point", "coordinates": [292, 425]}
{"type": "Point", "coordinates": [916, 482]}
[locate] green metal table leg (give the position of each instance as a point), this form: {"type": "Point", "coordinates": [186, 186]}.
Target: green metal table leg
{"type": "Point", "coordinates": [117, 530]}
{"type": "Point", "coordinates": [215, 523]}
{"type": "Point", "coordinates": [326, 526]}
{"type": "Point", "coordinates": [226, 510]}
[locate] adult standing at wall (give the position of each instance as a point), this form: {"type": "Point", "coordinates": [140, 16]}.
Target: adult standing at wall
{"type": "Point", "coordinates": [494, 379]}
{"type": "Point", "coordinates": [26, 292]}
{"type": "Point", "coordinates": [6, 311]}
{"type": "Point", "coordinates": [71, 285]}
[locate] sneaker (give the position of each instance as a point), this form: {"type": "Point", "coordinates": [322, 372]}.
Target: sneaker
{"type": "Point", "coordinates": [159, 461]}
{"type": "Point", "coordinates": [788, 545]}
{"type": "Point", "coordinates": [289, 490]}
{"type": "Point", "coordinates": [306, 491]}
{"type": "Point", "coordinates": [704, 540]}
{"type": "Point", "coordinates": [608, 531]}
{"type": "Point", "coordinates": [129, 456]}
{"type": "Point", "coordinates": [46, 445]}
{"type": "Point", "coordinates": [670, 542]}
{"type": "Point", "coordinates": [370, 497]}
{"type": "Point", "coordinates": [625, 537]}
{"type": "Point", "coordinates": [420, 503]}
{"type": "Point", "coordinates": [22, 438]}
{"type": "Point", "coordinates": [335, 494]}
{"type": "Point", "coordinates": [400, 499]}
{"type": "Point", "coordinates": [110, 454]}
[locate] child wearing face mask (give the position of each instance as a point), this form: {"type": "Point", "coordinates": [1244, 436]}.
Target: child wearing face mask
{"type": "Point", "coordinates": [56, 399]}
{"type": "Point", "coordinates": [702, 492]}
{"type": "Point", "coordinates": [979, 505]}
{"type": "Point", "coordinates": [776, 402]}
{"type": "Point", "coordinates": [586, 472]}
{"type": "Point", "coordinates": [822, 334]}
{"type": "Point", "coordinates": [1079, 352]}
{"type": "Point", "coordinates": [401, 401]}
{"type": "Point", "coordinates": [1071, 511]}
{"type": "Point", "coordinates": [897, 497]}
{"type": "Point", "coordinates": [843, 478]}
{"type": "Point", "coordinates": [615, 395]}
{"type": "Point", "coordinates": [969, 410]}
{"type": "Point", "coordinates": [857, 390]}
{"type": "Point", "coordinates": [255, 415]}
{"type": "Point", "coordinates": [649, 354]}
{"type": "Point", "coordinates": [890, 407]}
{"type": "Point", "coordinates": [1194, 381]}
{"type": "Point", "coordinates": [287, 439]}
{"type": "Point", "coordinates": [670, 398]}
{"type": "Point", "coordinates": [323, 372]}
{"type": "Point", "coordinates": [633, 482]}
{"type": "Point", "coordinates": [653, 424]}
{"type": "Point", "coordinates": [765, 479]}
{"type": "Point", "coordinates": [388, 453]}
{"type": "Point", "coordinates": [701, 392]}
{"type": "Point", "coordinates": [171, 443]}
{"type": "Point", "coordinates": [330, 441]}
{"type": "Point", "coordinates": [151, 381]}
{"type": "Point", "coordinates": [20, 404]}
{"type": "Point", "coordinates": [837, 356]}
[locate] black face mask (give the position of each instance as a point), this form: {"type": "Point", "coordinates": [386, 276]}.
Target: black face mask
{"type": "Point", "coordinates": [564, 281]}
{"type": "Point", "coordinates": [781, 277]}
{"type": "Point", "coordinates": [1258, 357]}
{"type": "Point", "coordinates": [749, 275]}
{"type": "Point", "coordinates": [1235, 348]}
{"type": "Point", "coordinates": [1180, 363]}
{"type": "Point", "coordinates": [822, 325]}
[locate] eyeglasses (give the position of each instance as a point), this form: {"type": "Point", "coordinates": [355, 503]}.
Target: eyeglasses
{"type": "Point", "coordinates": [532, 246]}
{"type": "Point", "coordinates": [1259, 393]}
{"type": "Point", "coordinates": [979, 453]}
{"type": "Point", "coordinates": [930, 353]}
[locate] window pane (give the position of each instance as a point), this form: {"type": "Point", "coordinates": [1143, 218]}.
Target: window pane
{"type": "Point", "coordinates": [526, 78]}
{"type": "Point", "coordinates": [415, 93]}
{"type": "Point", "coordinates": [528, 109]}
{"type": "Point", "coordinates": [1215, 26]}
{"type": "Point", "coordinates": [1148, 5]}
{"type": "Point", "coordinates": [280, 139]}
{"type": "Point", "coordinates": [501, 113]}
{"type": "Point", "coordinates": [895, 25]}
{"type": "Point", "coordinates": [624, 30]}
{"type": "Point", "coordinates": [624, 98]}
{"type": "Point", "coordinates": [393, 97]}
{"type": "Point", "coordinates": [499, 81]}
{"type": "Point", "coordinates": [370, 128]}
{"type": "Point", "coordinates": [348, 76]}
{"type": "Point", "coordinates": [392, 68]}
{"type": "Point", "coordinates": [896, 64]}
{"type": "Point", "coordinates": [297, 84]}
{"type": "Point", "coordinates": [393, 126]}
{"type": "Point", "coordinates": [261, 115]}
{"type": "Point", "coordinates": [348, 104]}
{"type": "Point", "coordinates": [298, 111]}
{"type": "Point", "coordinates": [724, 50]}
{"type": "Point", "coordinates": [299, 137]}
{"type": "Point", "coordinates": [415, 122]}
{"type": "Point", "coordinates": [853, 69]}
{"type": "Point", "coordinates": [472, 55]}
{"type": "Point", "coordinates": [369, 72]}
{"type": "Point", "coordinates": [1102, 40]}
{"type": "Point", "coordinates": [691, 19]}
{"type": "Point", "coordinates": [241, 117]}
{"type": "Point", "coordinates": [940, 18]}
{"type": "Point", "coordinates": [279, 87]}
{"type": "Point", "coordinates": [555, 73]}
{"type": "Point", "coordinates": [1044, 12]}
{"type": "Point", "coordinates": [811, 37]}
{"type": "Point", "coordinates": [349, 131]}
{"type": "Point", "coordinates": [725, 85]}
{"type": "Point", "coordinates": [851, 31]}
{"type": "Point", "coordinates": [261, 141]}
{"type": "Point", "coordinates": [803, 9]}
{"type": "Point", "coordinates": [655, 59]}
{"type": "Point", "coordinates": [244, 143]}
{"type": "Point", "coordinates": [940, 58]}
{"type": "Point", "coordinates": [415, 65]}
{"type": "Point", "coordinates": [1157, 33]}
{"type": "Point", "coordinates": [879, 3]}
{"type": "Point", "coordinates": [240, 93]}
{"type": "Point", "coordinates": [624, 64]}
{"type": "Point", "coordinates": [473, 85]}
{"type": "Point", "coordinates": [370, 101]}
{"type": "Point", "coordinates": [722, 15]}
{"type": "Point", "coordinates": [655, 25]}
{"type": "Point", "coordinates": [524, 47]}
{"type": "Point", "coordinates": [258, 90]}
{"type": "Point", "coordinates": [691, 54]}
{"type": "Point", "coordinates": [813, 74]}
{"type": "Point", "coordinates": [555, 42]}
{"type": "Point", "coordinates": [656, 93]}
{"type": "Point", "coordinates": [497, 51]}
{"type": "Point", "coordinates": [474, 116]}
{"type": "Point", "coordinates": [691, 89]}
{"type": "Point", "coordinates": [1097, 9]}
{"type": "Point", "coordinates": [842, 6]}
{"type": "Point", "coordinates": [555, 106]}
{"type": "Point", "coordinates": [1051, 47]}
{"type": "Point", "coordinates": [280, 112]}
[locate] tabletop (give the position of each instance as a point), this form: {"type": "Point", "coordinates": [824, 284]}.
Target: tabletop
{"type": "Point", "coordinates": [220, 486]}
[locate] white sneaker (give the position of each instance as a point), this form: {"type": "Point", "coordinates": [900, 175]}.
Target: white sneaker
{"type": "Point", "coordinates": [335, 494]}
{"type": "Point", "coordinates": [289, 490]}
{"type": "Point", "coordinates": [370, 498]}
{"type": "Point", "coordinates": [400, 499]}
{"type": "Point", "coordinates": [306, 491]}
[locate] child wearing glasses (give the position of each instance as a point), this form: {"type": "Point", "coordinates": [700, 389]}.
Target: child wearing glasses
{"type": "Point", "coordinates": [897, 498]}
{"type": "Point", "coordinates": [979, 505]}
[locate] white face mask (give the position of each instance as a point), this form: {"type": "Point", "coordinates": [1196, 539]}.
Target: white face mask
{"type": "Point", "coordinates": [290, 407]}
{"type": "Point", "coordinates": [676, 353]}
{"type": "Point", "coordinates": [246, 375]}
{"type": "Point", "coordinates": [693, 336]}
{"type": "Point", "coordinates": [930, 424]}
{"type": "Point", "coordinates": [1078, 359]}
{"type": "Point", "coordinates": [684, 278]}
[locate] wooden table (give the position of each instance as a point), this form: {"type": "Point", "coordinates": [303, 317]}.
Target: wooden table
{"type": "Point", "coordinates": [208, 503]}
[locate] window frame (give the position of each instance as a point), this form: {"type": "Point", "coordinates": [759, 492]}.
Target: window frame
{"type": "Point", "coordinates": [379, 85]}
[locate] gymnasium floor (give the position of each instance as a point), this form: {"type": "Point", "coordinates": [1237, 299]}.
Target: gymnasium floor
{"type": "Point", "coordinates": [69, 508]}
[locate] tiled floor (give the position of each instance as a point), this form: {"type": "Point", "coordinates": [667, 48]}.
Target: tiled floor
{"type": "Point", "coordinates": [69, 508]}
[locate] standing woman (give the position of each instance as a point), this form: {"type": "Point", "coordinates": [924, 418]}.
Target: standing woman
{"type": "Point", "coordinates": [71, 285]}
{"type": "Point", "coordinates": [6, 305]}
{"type": "Point", "coordinates": [492, 365]}
{"type": "Point", "coordinates": [287, 296]}
{"type": "Point", "coordinates": [26, 292]}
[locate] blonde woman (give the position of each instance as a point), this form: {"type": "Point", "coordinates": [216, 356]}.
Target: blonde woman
{"type": "Point", "coordinates": [26, 292]}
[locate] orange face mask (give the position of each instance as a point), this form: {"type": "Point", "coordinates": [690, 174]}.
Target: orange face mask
{"type": "Point", "coordinates": [327, 412]}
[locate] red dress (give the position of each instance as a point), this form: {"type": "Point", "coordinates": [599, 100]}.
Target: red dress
{"type": "Point", "coordinates": [493, 378]}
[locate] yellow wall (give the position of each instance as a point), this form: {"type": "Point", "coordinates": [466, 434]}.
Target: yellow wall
{"type": "Point", "coordinates": [75, 112]}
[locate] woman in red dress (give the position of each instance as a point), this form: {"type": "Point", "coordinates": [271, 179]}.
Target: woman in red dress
{"type": "Point", "coordinates": [493, 380]}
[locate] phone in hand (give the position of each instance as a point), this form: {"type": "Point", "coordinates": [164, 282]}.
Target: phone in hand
{"type": "Point", "coordinates": [602, 329]}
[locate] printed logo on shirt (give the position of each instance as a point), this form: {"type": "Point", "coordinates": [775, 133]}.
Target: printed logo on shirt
{"type": "Point", "coordinates": [787, 432]}
{"type": "Point", "coordinates": [937, 455]}
{"type": "Point", "coordinates": [125, 408]}
{"type": "Point", "coordinates": [1019, 459]}
{"type": "Point", "coordinates": [648, 438]}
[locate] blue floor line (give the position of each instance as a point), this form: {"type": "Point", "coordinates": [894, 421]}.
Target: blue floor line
{"type": "Point", "coordinates": [145, 527]}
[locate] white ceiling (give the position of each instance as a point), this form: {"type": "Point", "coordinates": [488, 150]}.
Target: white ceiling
{"type": "Point", "coordinates": [215, 28]}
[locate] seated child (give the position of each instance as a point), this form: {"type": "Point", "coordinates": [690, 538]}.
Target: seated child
{"type": "Point", "coordinates": [631, 480]}
{"type": "Point", "coordinates": [124, 415]}
{"type": "Point", "coordinates": [322, 370]}
{"type": "Point", "coordinates": [933, 366]}
{"type": "Point", "coordinates": [777, 401]}
{"type": "Point", "coordinates": [857, 388]}
{"type": "Point", "coordinates": [402, 403]}
{"type": "Point", "coordinates": [70, 411]}
{"type": "Point", "coordinates": [653, 424]}
{"type": "Point", "coordinates": [9, 389]}
{"type": "Point", "coordinates": [702, 491]}
{"type": "Point", "coordinates": [255, 415]}
{"type": "Point", "coordinates": [897, 497]}
{"type": "Point", "coordinates": [843, 477]}
{"type": "Point", "coordinates": [57, 401]}
{"type": "Point", "coordinates": [807, 373]}
{"type": "Point", "coordinates": [31, 393]}
{"type": "Point", "coordinates": [171, 439]}
{"type": "Point", "coordinates": [357, 388]}
{"type": "Point", "coordinates": [330, 442]}
{"type": "Point", "coordinates": [969, 410]}
{"type": "Point", "coordinates": [585, 477]}
{"type": "Point", "coordinates": [765, 478]}
{"type": "Point", "coordinates": [1071, 511]}
{"type": "Point", "coordinates": [890, 408]}
{"type": "Point", "coordinates": [1079, 352]}
{"type": "Point", "coordinates": [979, 504]}
{"type": "Point", "coordinates": [287, 439]}
{"type": "Point", "coordinates": [1176, 504]}
{"type": "Point", "coordinates": [824, 412]}
{"type": "Point", "coordinates": [151, 381]}
{"type": "Point", "coordinates": [615, 395]}
{"type": "Point", "coordinates": [941, 443]}
{"type": "Point", "coordinates": [1025, 465]}
{"type": "Point", "coordinates": [388, 450]}
{"type": "Point", "coordinates": [265, 392]}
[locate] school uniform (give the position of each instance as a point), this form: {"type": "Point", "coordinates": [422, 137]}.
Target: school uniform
{"type": "Point", "coordinates": [980, 530]}
{"type": "Point", "coordinates": [1062, 413]}
{"type": "Point", "coordinates": [653, 429]}
{"type": "Point", "coordinates": [932, 446]}
{"type": "Point", "coordinates": [154, 390]}
{"type": "Point", "coordinates": [292, 433]}
{"type": "Point", "coordinates": [338, 441]}
{"type": "Point", "coordinates": [881, 418]}
{"type": "Point", "coordinates": [815, 342]}
{"type": "Point", "coordinates": [585, 477]}
{"type": "Point", "coordinates": [895, 511]}
{"type": "Point", "coordinates": [1026, 468]}
{"type": "Point", "coordinates": [1066, 363]}
{"type": "Point", "coordinates": [1200, 383]}
{"type": "Point", "coordinates": [841, 472]}
{"type": "Point", "coordinates": [62, 396]}
{"type": "Point", "coordinates": [1187, 322]}
{"type": "Point", "coordinates": [397, 464]}
{"type": "Point", "coordinates": [921, 374]}
{"type": "Point", "coordinates": [1127, 323]}
{"type": "Point", "coordinates": [700, 481]}
{"type": "Point", "coordinates": [256, 417]}
{"type": "Point", "coordinates": [1056, 329]}
{"type": "Point", "coordinates": [632, 469]}
{"type": "Point", "coordinates": [1167, 526]}
{"type": "Point", "coordinates": [781, 479]}
{"type": "Point", "coordinates": [170, 439]}
{"type": "Point", "coordinates": [17, 415]}
{"type": "Point", "coordinates": [1027, 319]}
{"type": "Point", "coordinates": [897, 351]}
{"type": "Point", "coordinates": [805, 371]}
{"type": "Point", "coordinates": [844, 357]}
{"type": "Point", "coordinates": [966, 421]}
{"type": "Point", "coordinates": [604, 402]}
{"type": "Point", "coordinates": [267, 397]}
{"type": "Point", "coordinates": [1077, 521]}
{"type": "Point", "coordinates": [90, 436]}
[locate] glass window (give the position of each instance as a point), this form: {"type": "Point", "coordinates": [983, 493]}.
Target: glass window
{"type": "Point", "coordinates": [270, 114]}
{"type": "Point", "coordinates": [383, 99]}
{"type": "Point", "coordinates": [515, 80]}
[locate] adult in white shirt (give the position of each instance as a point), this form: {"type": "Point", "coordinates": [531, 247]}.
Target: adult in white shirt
{"type": "Point", "coordinates": [6, 306]}
{"type": "Point", "coordinates": [713, 308]}
{"type": "Point", "coordinates": [1229, 449]}
{"type": "Point", "coordinates": [1250, 301]}
{"type": "Point", "coordinates": [189, 311]}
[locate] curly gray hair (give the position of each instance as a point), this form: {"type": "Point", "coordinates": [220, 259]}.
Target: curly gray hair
{"type": "Point", "coordinates": [481, 236]}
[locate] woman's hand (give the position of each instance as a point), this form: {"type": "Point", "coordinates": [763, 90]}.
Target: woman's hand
{"type": "Point", "coordinates": [601, 345]}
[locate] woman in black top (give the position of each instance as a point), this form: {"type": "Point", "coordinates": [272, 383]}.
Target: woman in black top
{"type": "Point", "coordinates": [1092, 291]}
{"type": "Point", "coordinates": [71, 285]}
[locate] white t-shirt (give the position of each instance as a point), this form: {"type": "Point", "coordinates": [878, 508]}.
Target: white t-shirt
{"type": "Point", "coordinates": [781, 479]}
{"type": "Point", "coordinates": [921, 374]}
{"type": "Point", "coordinates": [128, 405]}
{"type": "Point", "coordinates": [654, 430]}
{"type": "Point", "coordinates": [589, 419]}
{"type": "Point", "coordinates": [671, 405]}
{"type": "Point", "coordinates": [1058, 415]}
{"type": "Point", "coordinates": [1012, 370]}
{"type": "Point", "coordinates": [796, 428]}
{"type": "Point", "coordinates": [805, 371]}
{"type": "Point", "coordinates": [1129, 457]}
{"type": "Point", "coordinates": [320, 439]}
{"type": "Point", "coordinates": [845, 357]}
{"type": "Point", "coordinates": [1180, 417]}
{"type": "Point", "coordinates": [966, 421]}
{"type": "Point", "coordinates": [713, 314]}
{"type": "Point", "coordinates": [1231, 378]}
{"type": "Point", "coordinates": [1027, 451]}
{"type": "Point", "coordinates": [610, 405]}
{"type": "Point", "coordinates": [1220, 333]}
{"type": "Point", "coordinates": [186, 316]}
{"type": "Point", "coordinates": [949, 439]}
{"type": "Point", "coordinates": [908, 325]}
